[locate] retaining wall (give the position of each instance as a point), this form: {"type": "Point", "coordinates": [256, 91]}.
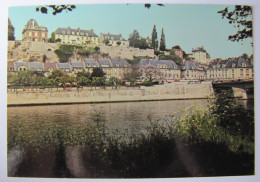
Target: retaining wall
{"type": "Point", "coordinates": [177, 90]}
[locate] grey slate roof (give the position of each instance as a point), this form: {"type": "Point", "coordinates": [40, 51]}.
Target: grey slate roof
{"type": "Point", "coordinates": [88, 33]}
{"type": "Point", "coordinates": [91, 62]}
{"type": "Point", "coordinates": [170, 64]}
{"type": "Point", "coordinates": [103, 62]}
{"type": "Point", "coordinates": [19, 64]}
{"type": "Point", "coordinates": [113, 36]}
{"type": "Point", "coordinates": [63, 66]}
{"type": "Point", "coordinates": [119, 61]}
{"type": "Point", "coordinates": [238, 63]}
{"type": "Point", "coordinates": [189, 65]}
{"type": "Point", "coordinates": [36, 65]}
{"type": "Point", "coordinates": [76, 64]}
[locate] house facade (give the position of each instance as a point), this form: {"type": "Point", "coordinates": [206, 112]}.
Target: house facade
{"type": "Point", "coordinates": [34, 32]}
{"type": "Point", "coordinates": [159, 70]}
{"type": "Point", "coordinates": [114, 39]}
{"type": "Point", "coordinates": [237, 68]}
{"type": "Point", "coordinates": [76, 36]}
{"type": "Point", "coordinates": [192, 71]}
{"type": "Point", "coordinates": [200, 55]}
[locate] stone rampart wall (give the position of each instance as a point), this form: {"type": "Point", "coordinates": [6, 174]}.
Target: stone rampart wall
{"type": "Point", "coordinates": [176, 90]}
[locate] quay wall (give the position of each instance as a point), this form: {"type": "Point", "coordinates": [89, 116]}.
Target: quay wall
{"type": "Point", "coordinates": [177, 90]}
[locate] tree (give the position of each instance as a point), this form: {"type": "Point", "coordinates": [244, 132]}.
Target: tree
{"type": "Point", "coordinates": [52, 38]}
{"type": "Point", "coordinates": [245, 56]}
{"type": "Point", "coordinates": [10, 30]}
{"type": "Point", "coordinates": [106, 41]}
{"type": "Point", "coordinates": [162, 42]}
{"type": "Point", "coordinates": [142, 44]}
{"type": "Point", "coordinates": [118, 43]}
{"type": "Point", "coordinates": [97, 72]}
{"type": "Point", "coordinates": [44, 58]}
{"type": "Point", "coordinates": [56, 73]}
{"type": "Point", "coordinates": [241, 18]}
{"type": "Point", "coordinates": [154, 39]}
{"type": "Point", "coordinates": [64, 52]}
{"type": "Point", "coordinates": [55, 8]}
{"type": "Point", "coordinates": [172, 57]}
{"type": "Point", "coordinates": [83, 78]}
{"type": "Point", "coordinates": [151, 73]}
{"type": "Point", "coordinates": [134, 39]}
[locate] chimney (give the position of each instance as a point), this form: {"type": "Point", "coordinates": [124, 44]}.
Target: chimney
{"type": "Point", "coordinates": [69, 28]}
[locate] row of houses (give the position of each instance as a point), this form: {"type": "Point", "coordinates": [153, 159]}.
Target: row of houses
{"type": "Point", "coordinates": [115, 67]}
{"type": "Point", "coordinates": [159, 70]}
{"type": "Point", "coordinates": [34, 32]}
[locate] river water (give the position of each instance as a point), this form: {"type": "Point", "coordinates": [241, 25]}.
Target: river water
{"type": "Point", "coordinates": [31, 121]}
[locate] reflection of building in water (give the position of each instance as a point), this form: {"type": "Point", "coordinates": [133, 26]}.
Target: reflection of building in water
{"type": "Point", "coordinates": [33, 32]}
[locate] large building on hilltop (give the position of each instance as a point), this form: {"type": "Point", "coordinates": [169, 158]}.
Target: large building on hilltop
{"type": "Point", "coordinates": [33, 32]}
{"type": "Point", "coordinates": [114, 39]}
{"type": "Point", "coordinates": [76, 36]}
{"type": "Point", "coordinates": [200, 55]}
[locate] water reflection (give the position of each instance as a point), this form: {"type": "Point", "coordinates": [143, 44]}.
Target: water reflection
{"type": "Point", "coordinates": [38, 136]}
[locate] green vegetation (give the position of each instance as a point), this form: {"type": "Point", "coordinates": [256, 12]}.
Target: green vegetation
{"type": "Point", "coordinates": [162, 42]}
{"type": "Point", "coordinates": [136, 41]}
{"type": "Point", "coordinates": [241, 18]}
{"type": "Point", "coordinates": [65, 51]}
{"type": "Point", "coordinates": [10, 30]}
{"type": "Point", "coordinates": [219, 148]}
{"type": "Point", "coordinates": [172, 56]}
{"type": "Point", "coordinates": [154, 44]}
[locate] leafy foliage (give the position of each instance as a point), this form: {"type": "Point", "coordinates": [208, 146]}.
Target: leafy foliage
{"type": "Point", "coordinates": [64, 52]}
{"type": "Point", "coordinates": [55, 8]}
{"type": "Point", "coordinates": [241, 18]}
{"type": "Point", "coordinates": [172, 56]}
{"type": "Point", "coordinates": [136, 41]}
{"type": "Point", "coordinates": [10, 30]}
{"type": "Point", "coordinates": [97, 72]}
{"type": "Point", "coordinates": [134, 38]}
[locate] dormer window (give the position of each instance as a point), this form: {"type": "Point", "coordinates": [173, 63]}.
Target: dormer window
{"type": "Point", "coordinates": [73, 33]}
{"type": "Point", "coordinates": [68, 32]}
{"type": "Point", "coordinates": [233, 65]}
{"type": "Point", "coordinates": [63, 32]}
{"type": "Point", "coordinates": [223, 66]}
{"type": "Point", "coordinates": [244, 65]}
{"type": "Point", "coordinates": [117, 64]}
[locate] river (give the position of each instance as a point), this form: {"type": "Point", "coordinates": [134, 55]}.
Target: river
{"type": "Point", "coordinates": [33, 120]}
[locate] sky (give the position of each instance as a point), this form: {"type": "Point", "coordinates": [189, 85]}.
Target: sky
{"type": "Point", "coordinates": [189, 26]}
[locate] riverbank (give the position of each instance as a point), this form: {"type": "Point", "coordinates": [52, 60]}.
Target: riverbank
{"type": "Point", "coordinates": [173, 91]}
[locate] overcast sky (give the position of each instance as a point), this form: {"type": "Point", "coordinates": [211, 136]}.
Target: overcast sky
{"type": "Point", "coordinates": [189, 26]}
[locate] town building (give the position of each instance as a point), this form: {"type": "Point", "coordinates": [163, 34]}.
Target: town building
{"type": "Point", "coordinates": [34, 32]}
{"type": "Point", "coordinates": [159, 70]}
{"type": "Point", "coordinates": [112, 67]}
{"type": "Point", "coordinates": [178, 51]}
{"type": "Point", "coordinates": [114, 39]}
{"type": "Point", "coordinates": [192, 71]}
{"type": "Point", "coordinates": [200, 55]}
{"type": "Point", "coordinates": [76, 36]}
{"type": "Point", "coordinates": [231, 69]}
